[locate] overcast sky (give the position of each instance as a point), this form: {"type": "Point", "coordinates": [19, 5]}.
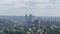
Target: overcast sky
{"type": "Point", "coordinates": [35, 7]}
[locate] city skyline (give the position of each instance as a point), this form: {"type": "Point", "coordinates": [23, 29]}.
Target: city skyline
{"type": "Point", "coordinates": [35, 7]}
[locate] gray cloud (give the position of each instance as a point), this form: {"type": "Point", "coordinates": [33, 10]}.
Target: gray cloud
{"type": "Point", "coordinates": [36, 7]}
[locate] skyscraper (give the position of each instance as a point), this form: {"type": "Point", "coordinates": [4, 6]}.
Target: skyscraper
{"type": "Point", "coordinates": [26, 19]}
{"type": "Point", "coordinates": [36, 22]}
{"type": "Point", "coordinates": [30, 20]}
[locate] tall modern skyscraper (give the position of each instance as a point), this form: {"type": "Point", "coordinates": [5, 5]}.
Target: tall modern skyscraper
{"type": "Point", "coordinates": [26, 19]}
{"type": "Point", "coordinates": [30, 17]}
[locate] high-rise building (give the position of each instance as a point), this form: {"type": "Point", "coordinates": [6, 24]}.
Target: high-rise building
{"type": "Point", "coordinates": [30, 20]}
{"type": "Point", "coordinates": [36, 22]}
{"type": "Point", "coordinates": [26, 19]}
{"type": "Point", "coordinates": [39, 22]}
{"type": "Point", "coordinates": [30, 17]}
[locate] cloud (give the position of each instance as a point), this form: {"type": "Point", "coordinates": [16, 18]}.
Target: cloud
{"type": "Point", "coordinates": [53, 1]}
{"type": "Point", "coordinates": [27, 3]}
{"type": "Point", "coordinates": [36, 7]}
{"type": "Point", "coordinates": [19, 3]}
{"type": "Point", "coordinates": [41, 0]}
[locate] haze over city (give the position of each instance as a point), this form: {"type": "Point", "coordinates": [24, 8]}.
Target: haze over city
{"type": "Point", "coordinates": [35, 7]}
{"type": "Point", "coordinates": [29, 16]}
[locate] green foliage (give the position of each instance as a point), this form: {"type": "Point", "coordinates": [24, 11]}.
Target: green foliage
{"type": "Point", "coordinates": [5, 30]}
{"type": "Point", "coordinates": [55, 31]}
{"type": "Point", "coordinates": [8, 27]}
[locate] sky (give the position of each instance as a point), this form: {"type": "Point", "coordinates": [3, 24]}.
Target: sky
{"type": "Point", "coordinates": [35, 7]}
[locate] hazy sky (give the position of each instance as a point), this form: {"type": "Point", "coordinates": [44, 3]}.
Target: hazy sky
{"type": "Point", "coordinates": [35, 7]}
